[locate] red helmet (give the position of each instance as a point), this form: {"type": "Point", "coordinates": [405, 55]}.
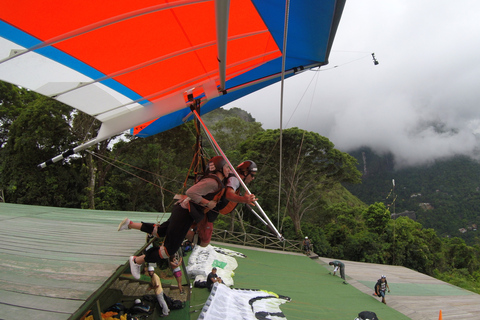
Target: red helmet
{"type": "Point", "coordinates": [216, 164]}
{"type": "Point", "coordinates": [247, 166]}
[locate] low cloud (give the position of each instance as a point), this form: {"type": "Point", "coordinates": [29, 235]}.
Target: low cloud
{"type": "Point", "coordinates": [420, 103]}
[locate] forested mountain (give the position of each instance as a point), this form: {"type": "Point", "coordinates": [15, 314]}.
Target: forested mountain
{"type": "Point", "coordinates": [445, 195]}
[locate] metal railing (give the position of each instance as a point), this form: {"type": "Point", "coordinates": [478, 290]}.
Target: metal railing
{"type": "Point", "coordinates": [256, 240]}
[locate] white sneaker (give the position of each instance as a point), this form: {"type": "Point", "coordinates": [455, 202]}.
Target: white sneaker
{"type": "Point", "coordinates": [124, 224]}
{"type": "Point", "coordinates": [135, 269]}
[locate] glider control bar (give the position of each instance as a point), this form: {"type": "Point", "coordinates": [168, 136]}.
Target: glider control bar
{"type": "Point", "coordinates": [269, 223]}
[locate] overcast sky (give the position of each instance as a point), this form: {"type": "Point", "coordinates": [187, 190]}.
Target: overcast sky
{"type": "Point", "coordinates": [421, 102]}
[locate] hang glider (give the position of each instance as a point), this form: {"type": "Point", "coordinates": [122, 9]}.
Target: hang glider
{"type": "Point", "coordinates": [138, 64]}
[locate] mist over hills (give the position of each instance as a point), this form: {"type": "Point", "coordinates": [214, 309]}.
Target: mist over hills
{"type": "Point", "coordinates": [445, 194]}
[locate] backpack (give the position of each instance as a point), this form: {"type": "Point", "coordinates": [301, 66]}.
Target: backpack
{"type": "Point", "coordinates": [379, 283]}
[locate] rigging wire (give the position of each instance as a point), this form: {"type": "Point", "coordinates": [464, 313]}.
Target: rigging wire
{"type": "Point", "coordinates": [309, 111]}
{"type": "Point", "coordinates": [301, 98]}
{"type": "Point", "coordinates": [112, 163]}
{"type": "Point", "coordinates": [318, 69]}
{"type": "Point", "coordinates": [235, 219]}
{"type": "Point", "coordinates": [284, 55]}
{"type": "Point", "coordinates": [131, 173]}
{"type": "Point", "coordinates": [301, 143]}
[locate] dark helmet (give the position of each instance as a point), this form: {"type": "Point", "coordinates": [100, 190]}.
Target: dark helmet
{"type": "Point", "coordinates": [216, 164]}
{"type": "Point", "coordinates": [247, 166]}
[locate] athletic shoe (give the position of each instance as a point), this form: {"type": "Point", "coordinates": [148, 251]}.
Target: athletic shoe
{"type": "Point", "coordinates": [124, 224]}
{"type": "Point", "coordinates": [135, 269]}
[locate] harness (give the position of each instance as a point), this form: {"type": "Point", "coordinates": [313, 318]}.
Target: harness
{"type": "Point", "coordinates": [225, 206]}
{"type": "Point", "coordinates": [213, 196]}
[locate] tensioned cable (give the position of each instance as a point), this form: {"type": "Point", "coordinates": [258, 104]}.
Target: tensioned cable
{"type": "Point", "coordinates": [303, 138]}
{"type": "Point", "coordinates": [252, 226]}
{"type": "Point", "coordinates": [107, 160]}
{"type": "Point", "coordinates": [284, 56]}
{"type": "Point", "coordinates": [341, 65]}
{"type": "Point", "coordinates": [147, 181]}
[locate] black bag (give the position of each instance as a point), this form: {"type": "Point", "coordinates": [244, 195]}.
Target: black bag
{"type": "Point", "coordinates": [176, 304]}
{"type": "Point", "coordinates": [149, 298]}
{"type": "Point", "coordinates": [200, 284]}
{"type": "Point", "coordinates": [367, 315]}
{"type": "Point", "coordinates": [173, 304]}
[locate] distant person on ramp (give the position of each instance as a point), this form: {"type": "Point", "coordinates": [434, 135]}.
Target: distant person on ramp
{"type": "Point", "coordinates": [338, 265]}
{"type": "Point", "coordinates": [381, 287]}
{"type": "Point", "coordinates": [306, 246]}
{"type": "Point", "coordinates": [198, 201]}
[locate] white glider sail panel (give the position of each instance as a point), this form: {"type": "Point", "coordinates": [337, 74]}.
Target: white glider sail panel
{"type": "Point", "coordinates": [242, 304]}
{"type": "Point", "coordinates": [130, 62]}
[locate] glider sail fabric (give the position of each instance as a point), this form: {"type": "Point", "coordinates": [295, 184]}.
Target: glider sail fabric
{"type": "Point", "coordinates": [136, 64]}
{"type": "Point", "coordinates": [242, 304]}
{"type": "Point", "coordinates": [202, 259]}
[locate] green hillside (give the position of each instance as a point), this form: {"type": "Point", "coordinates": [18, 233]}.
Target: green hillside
{"type": "Point", "coordinates": [445, 195]}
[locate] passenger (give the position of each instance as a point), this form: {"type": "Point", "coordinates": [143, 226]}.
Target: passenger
{"type": "Point", "coordinates": [246, 170]}
{"type": "Point", "coordinates": [199, 200]}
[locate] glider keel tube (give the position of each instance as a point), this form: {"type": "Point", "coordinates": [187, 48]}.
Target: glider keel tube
{"type": "Point", "coordinates": [69, 153]}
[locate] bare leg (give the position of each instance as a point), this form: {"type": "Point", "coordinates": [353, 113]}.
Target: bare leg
{"type": "Point", "coordinates": [140, 259]}
{"type": "Point", "coordinates": [179, 282]}
{"type": "Point", "coordinates": [135, 225]}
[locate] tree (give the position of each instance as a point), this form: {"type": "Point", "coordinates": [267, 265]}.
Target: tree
{"type": "Point", "coordinates": [37, 133]}
{"type": "Point", "coordinates": [85, 128]}
{"type": "Point", "coordinates": [311, 165]}
{"type": "Point", "coordinates": [12, 101]}
{"type": "Point", "coordinates": [155, 169]}
{"type": "Point", "coordinates": [376, 217]}
{"type": "Point", "coordinates": [230, 132]}
{"type": "Point", "coordinates": [460, 255]}
{"type": "Point", "coordinates": [409, 245]}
